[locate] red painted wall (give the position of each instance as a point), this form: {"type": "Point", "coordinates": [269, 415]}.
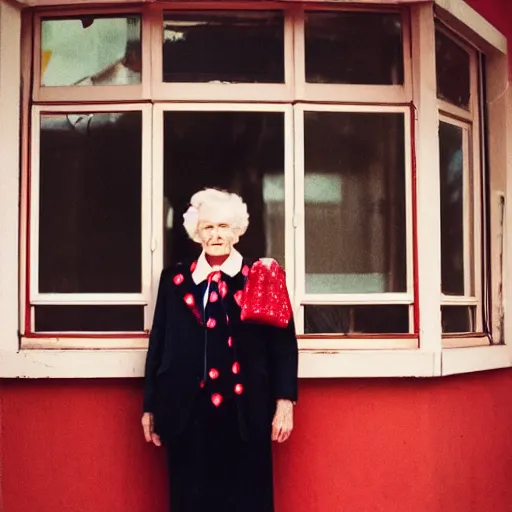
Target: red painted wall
{"type": "Point", "coordinates": [397, 445]}
{"type": "Point", "coordinates": [359, 446]}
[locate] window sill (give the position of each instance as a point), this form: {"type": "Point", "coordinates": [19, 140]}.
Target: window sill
{"type": "Point", "coordinates": [73, 362]}
{"type": "Point", "coordinates": [475, 359]}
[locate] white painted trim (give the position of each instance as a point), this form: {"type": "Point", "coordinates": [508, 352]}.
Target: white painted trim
{"type": "Point", "coordinates": [507, 256]}
{"type": "Point", "coordinates": [449, 300]}
{"type": "Point", "coordinates": [452, 341]}
{"type": "Point", "coordinates": [10, 71]}
{"type": "Point", "coordinates": [360, 363]}
{"type": "Point", "coordinates": [130, 363]}
{"type": "Point", "coordinates": [197, 91]}
{"type": "Point", "coordinates": [52, 342]}
{"type": "Point", "coordinates": [49, 299]}
{"type": "Point", "coordinates": [351, 93]}
{"type": "Point", "coordinates": [90, 298]}
{"type": "Point", "coordinates": [302, 296]}
{"type": "Point", "coordinates": [329, 344]}
{"type": "Point", "coordinates": [358, 298]}
{"type": "Point", "coordinates": [475, 22]}
{"type": "Point", "coordinates": [427, 181]}
{"type": "Point", "coordinates": [475, 359]}
{"type": "Point", "coordinates": [90, 93]}
{"type": "Point", "coordinates": [328, 362]}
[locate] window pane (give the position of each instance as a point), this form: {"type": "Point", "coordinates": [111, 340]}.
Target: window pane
{"type": "Point", "coordinates": [355, 203]}
{"type": "Point", "coordinates": [354, 48]}
{"type": "Point", "coordinates": [458, 319]}
{"type": "Point", "coordinates": [89, 318]}
{"type": "Point", "coordinates": [242, 152]}
{"type": "Point", "coordinates": [452, 67]}
{"type": "Point", "coordinates": [90, 203]}
{"type": "Point", "coordinates": [230, 46]}
{"type": "Point", "coordinates": [356, 319]}
{"type": "Point", "coordinates": [91, 50]}
{"type": "Point", "coordinates": [452, 208]}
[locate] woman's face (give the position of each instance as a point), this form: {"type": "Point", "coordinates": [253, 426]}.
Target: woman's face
{"type": "Point", "coordinates": [217, 238]}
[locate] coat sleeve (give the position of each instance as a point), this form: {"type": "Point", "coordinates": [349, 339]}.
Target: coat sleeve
{"type": "Point", "coordinates": [156, 344]}
{"type": "Point", "coordinates": [284, 358]}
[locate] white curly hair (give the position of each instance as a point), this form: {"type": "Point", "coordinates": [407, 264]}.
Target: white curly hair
{"type": "Point", "coordinates": [215, 205]}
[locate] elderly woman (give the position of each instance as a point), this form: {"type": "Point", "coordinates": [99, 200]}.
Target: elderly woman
{"type": "Point", "coordinates": [217, 389]}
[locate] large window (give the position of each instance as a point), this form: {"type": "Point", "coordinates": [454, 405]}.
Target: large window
{"type": "Point", "coordinates": [132, 112]}
{"type": "Point", "coordinates": [460, 185]}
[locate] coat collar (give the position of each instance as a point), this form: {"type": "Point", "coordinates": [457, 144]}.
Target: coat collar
{"type": "Point", "coordinates": [231, 266]}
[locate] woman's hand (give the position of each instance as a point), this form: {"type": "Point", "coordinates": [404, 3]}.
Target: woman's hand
{"type": "Point", "coordinates": [148, 425]}
{"type": "Point", "coordinates": [282, 424]}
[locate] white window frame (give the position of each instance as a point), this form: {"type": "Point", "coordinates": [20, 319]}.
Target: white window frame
{"type": "Point", "coordinates": [302, 297]}
{"type": "Point", "coordinates": [36, 298]}
{"type": "Point", "coordinates": [472, 249]}
{"type": "Point", "coordinates": [60, 94]}
{"type": "Point", "coordinates": [351, 93]}
{"type": "Point", "coordinates": [469, 121]}
{"type": "Point", "coordinates": [158, 173]}
{"type": "Point", "coordinates": [194, 91]}
{"type": "Point", "coordinates": [429, 360]}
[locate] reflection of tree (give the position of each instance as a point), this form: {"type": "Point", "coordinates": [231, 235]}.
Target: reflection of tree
{"type": "Point", "coordinates": [228, 150]}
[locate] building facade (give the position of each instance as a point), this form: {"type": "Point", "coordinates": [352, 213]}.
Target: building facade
{"type": "Point", "coordinates": [372, 141]}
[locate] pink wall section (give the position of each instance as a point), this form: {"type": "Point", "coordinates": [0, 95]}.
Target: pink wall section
{"type": "Point", "coordinates": [359, 446]}
{"type": "Point", "coordinates": [397, 445]}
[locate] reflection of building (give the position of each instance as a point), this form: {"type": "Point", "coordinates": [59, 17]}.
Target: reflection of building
{"type": "Point", "coordinates": [357, 137]}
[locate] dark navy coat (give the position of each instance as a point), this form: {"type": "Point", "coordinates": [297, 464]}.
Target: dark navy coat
{"type": "Point", "coordinates": [175, 363]}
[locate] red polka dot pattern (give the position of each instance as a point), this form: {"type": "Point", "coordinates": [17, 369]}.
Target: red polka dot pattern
{"type": "Point", "coordinates": [217, 399]}
{"type": "Point", "coordinates": [238, 297]}
{"type": "Point", "coordinates": [223, 289]}
{"type": "Point", "coordinates": [213, 373]}
{"type": "Point", "coordinates": [178, 279]}
{"type": "Point", "coordinates": [239, 389]}
{"type": "Point", "coordinates": [211, 323]}
{"type": "Point", "coordinates": [236, 367]}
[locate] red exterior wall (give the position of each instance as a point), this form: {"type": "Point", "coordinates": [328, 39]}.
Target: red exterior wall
{"type": "Point", "coordinates": [360, 445]}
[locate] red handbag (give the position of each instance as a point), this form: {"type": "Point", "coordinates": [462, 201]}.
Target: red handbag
{"type": "Point", "coordinates": [265, 299]}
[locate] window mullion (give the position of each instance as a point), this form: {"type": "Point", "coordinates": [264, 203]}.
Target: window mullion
{"type": "Point", "coordinates": [298, 216]}
{"type": "Point", "coordinates": [157, 204]}
{"type": "Point", "coordinates": [427, 182]}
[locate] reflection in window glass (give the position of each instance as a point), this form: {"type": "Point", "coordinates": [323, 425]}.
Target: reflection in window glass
{"type": "Point", "coordinates": [91, 50]}
{"type": "Point", "coordinates": [355, 203]}
{"type": "Point", "coordinates": [458, 319]}
{"type": "Point", "coordinates": [452, 71]}
{"type": "Point", "coordinates": [90, 203]}
{"type": "Point", "coordinates": [242, 152]}
{"type": "Point", "coordinates": [354, 48]}
{"type": "Point", "coordinates": [231, 46]}
{"type": "Point", "coordinates": [89, 318]}
{"type": "Point", "coordinates": [452, 208]}
{"type": "Point", "coordinates": [356, 319]}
